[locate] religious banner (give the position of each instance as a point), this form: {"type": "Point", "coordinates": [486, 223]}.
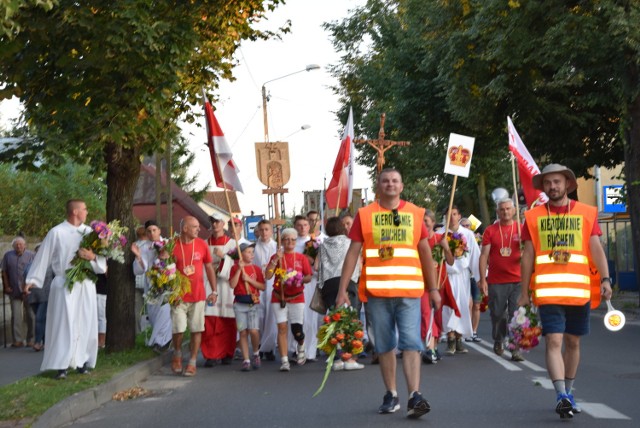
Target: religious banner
{"type": "Point", "coordinates": [459, 153]}
{"type": "Point", "coordinates": [272, 161]}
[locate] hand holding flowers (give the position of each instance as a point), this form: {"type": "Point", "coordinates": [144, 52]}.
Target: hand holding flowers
{"type": "Point", "coordinates": [340, 335]}
{"type": "Point", "coordinates": [167, 284]}
{"type": "Point", "coordinates": [107, 240]}
{"type": "Point", "coordinates": [524, 329]}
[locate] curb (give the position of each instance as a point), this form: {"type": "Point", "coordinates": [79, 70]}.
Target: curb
{"type": "Point", "coordinates": [82, 403]}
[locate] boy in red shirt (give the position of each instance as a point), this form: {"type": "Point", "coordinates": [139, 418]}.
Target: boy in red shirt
{"type": "Point", "coordinates": [247, 280]}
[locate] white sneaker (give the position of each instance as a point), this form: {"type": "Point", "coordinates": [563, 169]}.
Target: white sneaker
{"type": "Point", "coordinates": [301, 358]}
{"type": "Point", "coordinates": [338, 365]}
{"type": "Point", "coordinates": [285, 366]}
{"type": "Point", "coordinates": [353, 365]}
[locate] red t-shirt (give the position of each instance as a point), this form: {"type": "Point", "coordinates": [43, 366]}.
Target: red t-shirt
{"type": "Point", "coordinates": [526, 236]}
{"type": "Point", "coordinates": [254, 272]}
{"type": "Point", "coordinates": [355, 234]}
{"type": "Point", "coordinates": [195, 253]}
{"type": "Point", "coordinates": [503, 269]}
{"type": "Point", "coordinates": [297, 262]}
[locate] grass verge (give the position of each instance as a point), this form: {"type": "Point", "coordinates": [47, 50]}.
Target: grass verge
{"type": "Point", "coordinates": [31, 397]}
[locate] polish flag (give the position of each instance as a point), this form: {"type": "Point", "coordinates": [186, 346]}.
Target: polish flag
{"type": "Point", "coordinates": [340, 190]}
{"type": "Point", "coordinates": [225, 171]}
{"type": "Point", "coordinates": [527, 167]}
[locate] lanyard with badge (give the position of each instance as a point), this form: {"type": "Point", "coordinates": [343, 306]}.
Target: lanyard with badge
{"type": "Point", "coordinates": [189, 269]}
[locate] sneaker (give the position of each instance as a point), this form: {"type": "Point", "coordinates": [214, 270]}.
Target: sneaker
{"type": "Point", "coordinates": [476, 338]}
{"type": "Point", "coordinates": [563, 406]}
{"type": "Point", "coordinates": [417, 406]}
{"type": "Point", "coordinates": [516, 356]}
{"type": "Point", "coordinates": [237, 355]}
{"type": "Point", "coordinates": [285, 366]}
{"type": "Point", "coordinates": [255, 362]}
{"type": "Point", "coordinates": [574, 406]}
{"type": "Point", "coordinates": [353, 365]}
{"type": "Point", "coordinates": [62, 375]}
{"type": "Point", "coordinates": [498, 348]}
{"type": "Point", "coordinates": [429, 357]}
{"type": "Point", "coordinates": [338, 366]}
{"type": "Point", "coordinates": [459, 348]}
{"type": "Point", "coordinates": [226, 361]}
{"type": "Point", "coordinates": [389, 403]}
{"type": "Point", "coordinates": [437, 354]}
{"type": "Point", "coordinates": [246, 366]}
{"type": "Point", "coordinates": [83, 370]}
{"type": "Point", "coordinates": [300, 355]}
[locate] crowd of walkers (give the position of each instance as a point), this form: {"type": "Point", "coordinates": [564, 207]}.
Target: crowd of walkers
{"type": "Point", "coordinates": [392, 261]}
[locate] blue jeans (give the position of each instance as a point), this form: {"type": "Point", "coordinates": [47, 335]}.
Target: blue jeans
{"type": "Point", "coordinates": [389, 314]}
{"type": "Point", "coordinates": [40, 310]}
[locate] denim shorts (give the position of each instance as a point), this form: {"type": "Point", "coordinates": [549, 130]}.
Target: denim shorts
{"type": "Point", "coordinates": [391, 314]}
{"type": "Point", "coordinates": [247, 316]}
{"type": "Point", "coordinates": [565, 319]}
{"type": "Point", "coordinates": [476, 296]}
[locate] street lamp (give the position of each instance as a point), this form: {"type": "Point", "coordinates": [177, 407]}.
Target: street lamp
{"type": "Point", "coordinates": [302, 128]}
{"type": "Point", "coordinates": [265, 99]}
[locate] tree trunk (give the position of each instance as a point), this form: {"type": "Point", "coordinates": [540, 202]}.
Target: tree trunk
{"type": "Point", "coordinates": [482, 200]}
{"type": "Point", "coordinates": [123, 170]}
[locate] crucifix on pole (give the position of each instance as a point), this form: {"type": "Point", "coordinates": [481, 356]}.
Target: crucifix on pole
{"type": "Point", "coordinates": [381, 145]}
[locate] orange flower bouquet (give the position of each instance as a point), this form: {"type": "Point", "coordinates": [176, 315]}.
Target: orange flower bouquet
{"type": "Point", "coordinates": [340, 335]}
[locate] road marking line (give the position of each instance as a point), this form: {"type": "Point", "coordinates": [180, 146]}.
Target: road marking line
{"type": "Point", "coordinates": [533, 366]}
{"type": "Point", "coordinates": [602, 411]}
{"type": "Point", "coordinates": [504, 363]}
{"type": "Point", "coordinates": [543, 382]}
{"type": "Point", "coordinates": [526, 363]}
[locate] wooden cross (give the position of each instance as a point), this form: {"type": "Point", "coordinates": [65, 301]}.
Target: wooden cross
{"type": "Point", "coordinates": [381, 145]}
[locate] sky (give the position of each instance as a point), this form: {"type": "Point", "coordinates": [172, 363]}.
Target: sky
{"type": "Point", "coordinates": [301, 99]}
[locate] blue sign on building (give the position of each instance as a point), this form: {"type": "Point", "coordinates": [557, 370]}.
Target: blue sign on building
{"type": "Point", "coordinates": [613, 201]}
{"type": "Point", "coordinates": [250, 223]}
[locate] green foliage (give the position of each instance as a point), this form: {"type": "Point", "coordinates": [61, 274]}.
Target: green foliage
{"type": "Point", "coordinates": [34, 202]}
{"type": "Point", "coordinates": [9, 8]}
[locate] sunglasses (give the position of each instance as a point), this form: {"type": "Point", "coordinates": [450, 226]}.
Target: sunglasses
{"type": "Point", "coordinates": [396, 217]}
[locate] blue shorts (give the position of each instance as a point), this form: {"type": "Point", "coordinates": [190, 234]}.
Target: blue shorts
{"type": "Point", "coordinates": [565, 319]}
{"type": "Point", "coordinates": [476, 296]}
{"type": "Point", "coordinates": [389, 313]}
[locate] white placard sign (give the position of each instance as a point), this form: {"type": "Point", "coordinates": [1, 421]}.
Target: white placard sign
{"type": "Point", "coordinates": [459, 153]}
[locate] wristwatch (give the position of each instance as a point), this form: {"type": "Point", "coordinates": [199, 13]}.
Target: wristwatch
{"type": "Point", "coordinates": [606, 278]}
{"type": "Point", "coordinates": [215, 293]}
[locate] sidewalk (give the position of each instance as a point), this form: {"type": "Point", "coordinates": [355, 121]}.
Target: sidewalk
{"type": "Point", "coordinates": [24, 362]}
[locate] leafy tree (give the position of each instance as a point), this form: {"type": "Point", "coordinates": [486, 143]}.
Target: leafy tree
{"type": "Point", "coordinates": [567, 72]}
{"type": "Point", "coordinates": [33, 202]}
{"type": "Point", "coordinates": [103, 83]}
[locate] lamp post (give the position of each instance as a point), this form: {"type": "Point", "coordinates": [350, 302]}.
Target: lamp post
{"type": "Point", "coordinates": [272, 159]}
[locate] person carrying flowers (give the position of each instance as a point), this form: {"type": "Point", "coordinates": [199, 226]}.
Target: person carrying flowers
{"type": "Point", "coordinates": [397, 263]}
{"type": "Point", "coordinates": [291, 271]}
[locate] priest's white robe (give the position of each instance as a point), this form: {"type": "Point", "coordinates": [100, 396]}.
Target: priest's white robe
{"type": "Point", "coordinates": [71, 331]}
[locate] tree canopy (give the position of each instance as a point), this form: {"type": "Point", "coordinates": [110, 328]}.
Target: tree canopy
{"type": "Point", "coordinates": [103, 83]}
{"type": "Point", "coordinates": [566, 72]}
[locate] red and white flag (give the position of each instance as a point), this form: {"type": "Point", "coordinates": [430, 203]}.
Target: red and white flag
{"type": "Point", "coordinates": [527, 167]}
{"type": "Point", "coordinates": [225, 171]}
{"type": "Point", "coordinates": [340, 190]}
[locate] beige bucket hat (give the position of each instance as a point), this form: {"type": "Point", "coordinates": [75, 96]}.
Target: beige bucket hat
{"type": "Point", "coordinates": [555, 168]}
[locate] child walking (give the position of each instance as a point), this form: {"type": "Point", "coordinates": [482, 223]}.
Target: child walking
{"type": "Point", "coordinates": [247, 279]}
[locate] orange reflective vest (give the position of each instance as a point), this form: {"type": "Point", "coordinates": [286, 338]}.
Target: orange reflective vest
{"type": "Point", "coordinates": [569, 282]}
{"type": "Point", "coordinates": [400, 275]}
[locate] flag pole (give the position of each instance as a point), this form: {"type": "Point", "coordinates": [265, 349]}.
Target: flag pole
{"type": "Point", "coordinates": [446, 227]}
{"type": "Point", "coordinates": [339, 196]}
{"type": "Point", "coordinates": [515, 190]}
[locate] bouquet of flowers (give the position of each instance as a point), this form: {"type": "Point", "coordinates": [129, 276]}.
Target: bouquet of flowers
{"type": "Point", "coordinates": [233, 253]}
{"type": "Point", "coordinates": [524, 329]}
{"type": "Point", "coordinates": [167, 284]}
{"type": "Point", "coordinates": [289, 278]}
{"type": "Point", "coordinates": [106, 240]}
{"type": "Point", "coordinates": [484, 303]}
{"type": "Point", "coordinates": [340, 335]}
{"type": "Point", "coordinates": [457, 244]}
{"type": "Point", "coordinates": [311, 247]}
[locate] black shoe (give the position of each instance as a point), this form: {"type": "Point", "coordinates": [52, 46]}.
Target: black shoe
{"type": "Point", "coordinates": [437, 354]}
{"type": "Point", "coordinates": [417, 406]}
{"type": "Point", "coordinates": [498, 348]}
{"type": "Point", "coordinates": [389, 403]}
{"type": "Point", "coordinates": [83, 370]}
{"type": "Point", "coordinates": [211, 363]}
{"type": "Point", "coordinates": [62, 374]}
{"type": "Point", "coordinates": [564, 407]}
{"type": "Point", "coordinates": [429, 357]}
{"type": "Point", "coordinates": [226, 361]}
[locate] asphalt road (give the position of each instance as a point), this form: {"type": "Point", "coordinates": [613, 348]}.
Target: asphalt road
{"type": "Point", "coordinates": [478, 389]}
